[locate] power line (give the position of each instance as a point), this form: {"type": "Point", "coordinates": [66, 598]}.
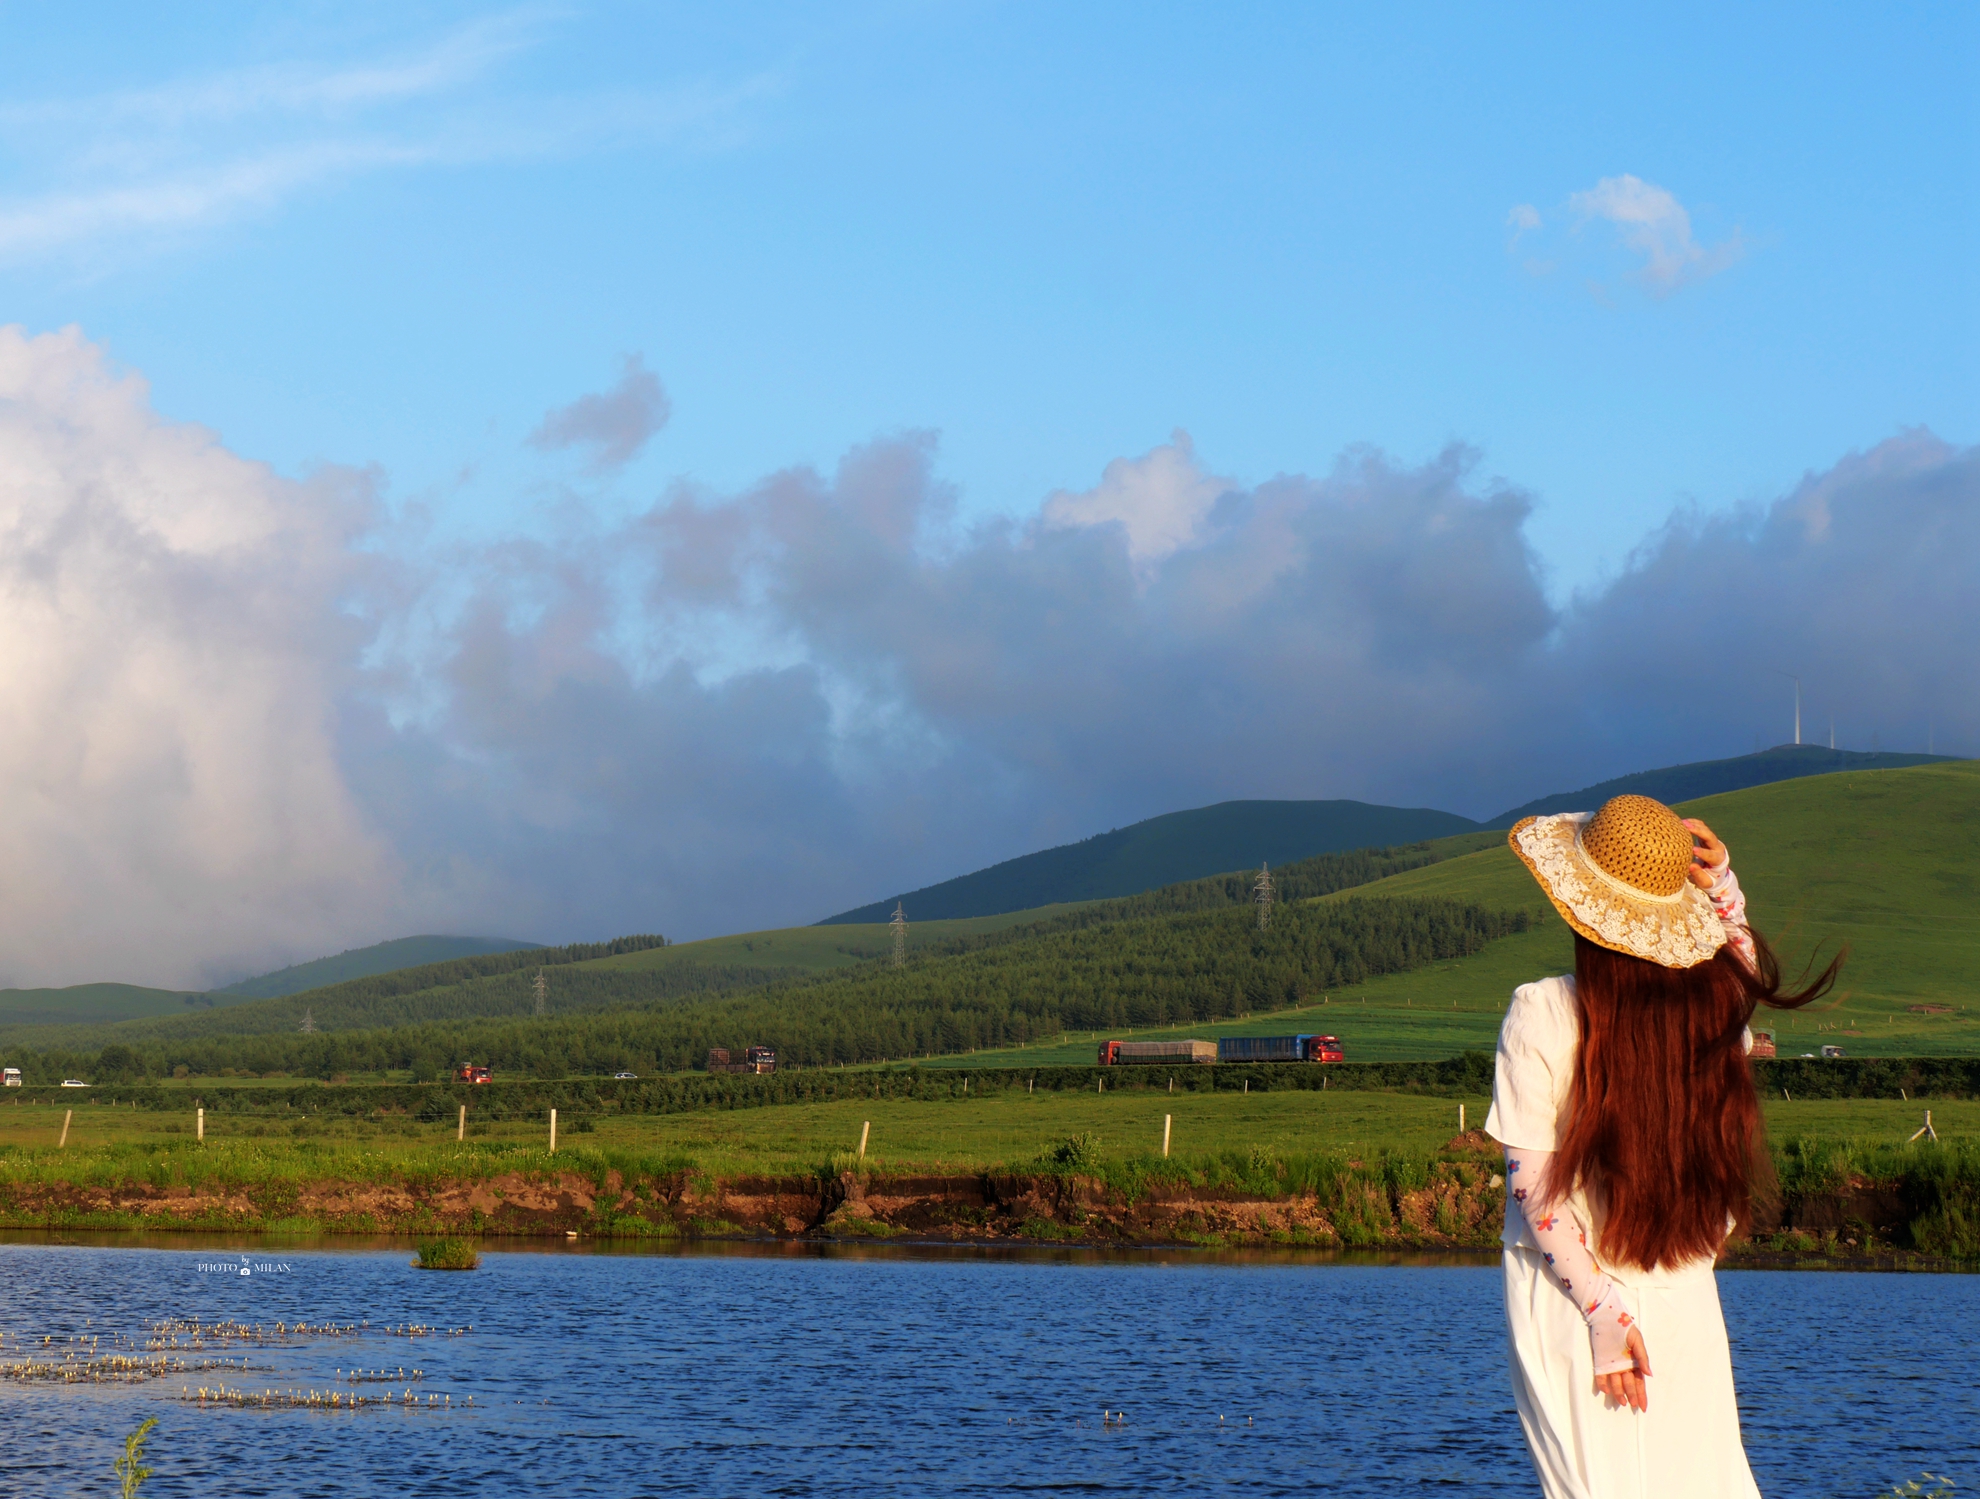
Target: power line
{"type": "Point", "coordinates": [1262, 893]}
{"type": "Point", "coordinates": [542, 988]}
{"type": "Point", "coordinates": [899, 924]}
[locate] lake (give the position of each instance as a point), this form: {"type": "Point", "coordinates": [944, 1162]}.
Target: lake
{"type": "Point", "coordinates": [795, 1370]}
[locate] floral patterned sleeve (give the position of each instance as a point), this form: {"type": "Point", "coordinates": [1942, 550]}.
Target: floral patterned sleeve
{"type": "Point", "coordinates": [1567, 1254]}
{"type": "Point", "coordinates": [1729, 901]}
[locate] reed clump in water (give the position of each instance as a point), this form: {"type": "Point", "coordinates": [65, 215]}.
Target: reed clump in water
{"type": "Point", "coordinates": [447, 1254]}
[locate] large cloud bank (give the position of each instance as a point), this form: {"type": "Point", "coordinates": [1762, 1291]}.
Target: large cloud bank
{"type": "Point", "coordinates": [251, 722]}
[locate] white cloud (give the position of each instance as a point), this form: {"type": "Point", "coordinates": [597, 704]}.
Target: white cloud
{"type": "Point", "coordinates": [1160, 500]}
{"type": "Point", "coordinates": [1654, 225]}
{"type": "Point", "coordinates": [246, 726]}
{"type": "Point", "coordinates": [171, 641]}
{"type": "Point", "coordinates": [116, 174]}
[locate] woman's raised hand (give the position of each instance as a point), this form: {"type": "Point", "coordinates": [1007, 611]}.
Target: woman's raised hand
{"type": "Point", "coordinates": [1626, 1386]}
{"type": "Point", "coordinates": [1708, 857]}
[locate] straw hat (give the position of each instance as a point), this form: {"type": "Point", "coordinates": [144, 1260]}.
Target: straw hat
{"type": "Point", "coordinates": [1620, 877]}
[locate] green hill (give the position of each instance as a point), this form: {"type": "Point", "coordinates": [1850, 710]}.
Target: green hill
{"type": "Point", "coordinates": [1684, 783]}
{"type": "Point", "coordinates": [89, 1004]}
{"type": "Point", "coordinates": [1164, 850]}
{"type": "Point", "coordinates": [1884, 861]}
{"type": "Point", "coordinates": [1404, 952]}
{"type": "Point", "coordinates": [363, 962]}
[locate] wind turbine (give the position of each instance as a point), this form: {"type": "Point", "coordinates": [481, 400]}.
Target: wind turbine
{"type": "Point", "coordinates": [1797, 700]}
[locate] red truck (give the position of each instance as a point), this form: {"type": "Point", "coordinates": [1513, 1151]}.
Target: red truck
{"type": "Point", "coordinates": [472, 1074]}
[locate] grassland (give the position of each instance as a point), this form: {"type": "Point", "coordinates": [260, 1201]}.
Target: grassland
{"type": "Point", "coordinates": [1335, 1169]}
{"type": "Point", "coordinates": [1009, 1129]}
{"type": "Point", "coordinates": [1886, 863]}
{"type": "Point", "coordinates": [1881, 861]}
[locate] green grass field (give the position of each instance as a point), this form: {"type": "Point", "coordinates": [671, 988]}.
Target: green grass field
{"type": "Point", "coordinates": [1010, 1130]}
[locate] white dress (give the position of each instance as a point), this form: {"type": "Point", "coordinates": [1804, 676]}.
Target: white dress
{"type": "Point", "coordinates": [1687, 1445]}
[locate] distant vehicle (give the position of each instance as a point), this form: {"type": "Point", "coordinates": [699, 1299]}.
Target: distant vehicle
{"type": "Point", "coordinates": [623, 1075]}
{"type": "Point", "coordinates": [1155, 1053]}
{"type": "Point", "coordinates": [11, 1077]}
{"type": "Point", "coordinates": [1763, 1044]}
{"type": "Point", "coordinates": [755, 1059]}
{"type": "Point", "coordinates": [471, 1074]}
{"type": "Point", "coordinates": [74, 1082]}
{"type": "Point", "coordinates": [1833, 1053]}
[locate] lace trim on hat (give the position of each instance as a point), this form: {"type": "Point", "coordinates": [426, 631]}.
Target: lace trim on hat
{"type": "Point", "coordinates": [1675, 933]}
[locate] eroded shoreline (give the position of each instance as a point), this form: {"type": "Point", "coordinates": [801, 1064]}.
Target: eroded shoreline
{"type": "Point", "coordinates": [1457, 1207]}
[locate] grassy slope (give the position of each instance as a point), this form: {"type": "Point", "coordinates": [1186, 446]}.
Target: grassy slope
{"type": "Point", "coordinates": [815, 949]}
{"type": "Point", "coordinates": [363, 962]}
{"type": "Point", "coordinates": [1678, 783]}
{"type": "Point", "coordinates": [1166, 850]}
{"type": "Point", "coordinates": [823, 948]}
{"type": "Point", "coordinates": [1886, 861]}
{"type": "Point", "coordinates": [89, 1003]}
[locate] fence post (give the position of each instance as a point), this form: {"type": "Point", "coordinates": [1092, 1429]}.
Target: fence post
{"type": "Point", "coordinates": [553, 1132]}
{"type": "Point", "coordinates": [199, 1126]}
{"type": "Point", "coordinates": [460, 1130]}
{"type": "Point", "coordinates": [67, 1115]}
{"type": "Point", "coordinates": [863, 1129]}
{"type": "Point", "coordinates": [1460, 1118]}
{"type": "Point", "coordinates": [1165, 1136]}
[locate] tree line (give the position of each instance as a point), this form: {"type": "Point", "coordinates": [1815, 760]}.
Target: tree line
{"type": "Point", "coordinates": [1023, 985]}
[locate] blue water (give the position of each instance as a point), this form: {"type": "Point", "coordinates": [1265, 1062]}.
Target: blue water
{"type": "Point", "coordinates": [891, 1373]}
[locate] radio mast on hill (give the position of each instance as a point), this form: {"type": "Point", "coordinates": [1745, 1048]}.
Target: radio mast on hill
{"type": "Point", "coordinates": [542, 988]}
{"type": "Point", "coordinates": [899, 924]}
{"type": "Point", "coordinates": [1262, 893]}
{"type": "Point", "coordinates": [308, 1027]}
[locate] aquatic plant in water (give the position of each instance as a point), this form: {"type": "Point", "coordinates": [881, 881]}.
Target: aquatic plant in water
{"type": "Point", "coordinates": [1942, 1488]}
{"type": "Point", "coordinates": [447, 1254]}
{"type": "Point", "coordinates": [130, 1468]}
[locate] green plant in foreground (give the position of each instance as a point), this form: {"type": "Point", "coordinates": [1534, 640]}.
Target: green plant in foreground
{"type": "Point", "coordinates": [1075, 1153]}
{"type": "Point", "coordinates": [447, 1254]}
{"type": "Point", "coordinates": [130, 1467]}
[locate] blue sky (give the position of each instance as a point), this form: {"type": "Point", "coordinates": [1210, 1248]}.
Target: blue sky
{"type": "Point", "coordinates": [565, 471]}
{"type": "Point", "coordinates": [1051, 235]}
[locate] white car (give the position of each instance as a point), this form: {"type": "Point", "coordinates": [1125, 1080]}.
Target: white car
{"type": "Point", "coordinates": [625, 1074]}
{"type": "Point", "coordinates": [74, 1082]}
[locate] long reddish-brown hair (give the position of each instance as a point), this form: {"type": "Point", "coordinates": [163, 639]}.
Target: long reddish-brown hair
{"type": "Point", "coordinates": [1663, 1124]}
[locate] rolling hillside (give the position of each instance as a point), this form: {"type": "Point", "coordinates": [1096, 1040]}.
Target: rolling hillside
{"type": "Point", "coordinates": [89, 1004]}
{"type": "Point", "coordinates": [1684, 783]}
{"type": "Point", "coordinates": [1428, 943]}
{"type": "Point", "coordinates": [1884, 861]}
{"type": "Point", "coordinates": [363, 962]}
{"type": "Point", "coordinates": [1165, 850]}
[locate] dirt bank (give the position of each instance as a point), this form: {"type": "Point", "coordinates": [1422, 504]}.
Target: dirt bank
{"type": "Point", "coordinates": [1457, 1205]}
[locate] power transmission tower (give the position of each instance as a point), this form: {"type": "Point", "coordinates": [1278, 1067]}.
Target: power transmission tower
{"type": "Point", "coordinates": [542, 988]}
{"type": "Point", "coordinates": [308, 1027]}
{"type": "Point", "coordinates": [1262, 893]}
{"type": "Point", "coordinates": [899, 924]}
